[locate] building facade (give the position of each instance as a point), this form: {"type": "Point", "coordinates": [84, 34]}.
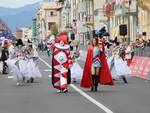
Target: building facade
{"type": "Point", "coordinates": [100, 18]}
{"type": "Point", "coordinates": [18, 34]}
{"type": "Point", "coordinates": [85, 20]}
{"type": "Point", "coordinates": [48, 18]}
{"type": "Point", "coordinates": [82, 17]}
{"type": "Point", "coordinates": [24, 33]}
{"type": "Point", "coordinates": [144, 18]}
{"type": "Point", "coordinates": [124, 12]}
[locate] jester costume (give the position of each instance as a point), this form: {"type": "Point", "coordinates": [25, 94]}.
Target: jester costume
{"type": "Point", "coordinates": [60, 63]}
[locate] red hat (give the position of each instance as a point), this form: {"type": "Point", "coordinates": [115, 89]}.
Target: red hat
{"type": "Point", "coordinates": [62, 37]}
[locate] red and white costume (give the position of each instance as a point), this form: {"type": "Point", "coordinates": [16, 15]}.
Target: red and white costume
{"type": "Point", "coordinates": [105, 77]}
{"type": "Point", "coordinates": [60, 63]}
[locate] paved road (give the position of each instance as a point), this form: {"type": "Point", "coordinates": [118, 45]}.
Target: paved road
{"type": "Point", "coordinates": [40, 97]}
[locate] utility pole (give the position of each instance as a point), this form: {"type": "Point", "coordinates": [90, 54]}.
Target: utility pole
{"type": "Point", "coordinates": [68, 7]}
{"type": "Point", "coordinates": [137, 14]}
{"type": "Point", "coordinates": [93, 12]}
{"type": "Point", "coordinates": [129, 20]}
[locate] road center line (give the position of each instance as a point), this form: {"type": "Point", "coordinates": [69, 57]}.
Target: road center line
{"type": "Point", "coordinates": [98, 104]}
{"type": "Point", "coordinates": [45, 62]}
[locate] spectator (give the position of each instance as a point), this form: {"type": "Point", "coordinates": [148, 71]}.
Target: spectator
{"type": "Point", "coordinates": [139, 46]}
{"type": "Point", "coordinates": [4, 57]}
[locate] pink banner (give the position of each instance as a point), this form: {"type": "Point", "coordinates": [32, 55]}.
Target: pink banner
{"type": "Point", "coordinates": [140, 67]}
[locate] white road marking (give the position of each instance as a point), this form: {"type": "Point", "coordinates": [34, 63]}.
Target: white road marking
{"type": "Point", "coordinates": [98, 104]}
{"type": "Point", "coordinates": [101, 106]}
{"type": "Point", "coordinates": [10, 77]}
{"type": "Point", "coordinates": [47, 70]}
{"type": "Point", "coordinates": [45, 63]}
{"type": "Point", "coordinates": [50, 76]}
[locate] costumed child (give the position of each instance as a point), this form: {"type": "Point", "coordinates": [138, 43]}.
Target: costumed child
{"type": "Point", "coordinates": [15, 54]}
{"type": "Point", "coordinates": [32, 67]}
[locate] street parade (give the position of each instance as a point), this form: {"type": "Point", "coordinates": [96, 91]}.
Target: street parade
{"type": "Point", "coordinates": [75, 57]}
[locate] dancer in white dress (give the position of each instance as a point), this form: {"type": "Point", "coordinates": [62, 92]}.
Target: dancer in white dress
{"type": "Point", "coordinates": [13, 62]}
{"type": "Point", "coordinates": [32, 67]}
{"type": "Point", "coordinates": [76, 70]}
{"type": "Point", "coordinates": [118, 66]}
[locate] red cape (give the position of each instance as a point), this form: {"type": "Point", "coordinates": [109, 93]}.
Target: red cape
{"type": "Point", "coordinates": [105, 74]}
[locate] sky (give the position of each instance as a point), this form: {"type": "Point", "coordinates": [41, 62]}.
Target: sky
{"type": "Point", "coordinates": [16, 3]}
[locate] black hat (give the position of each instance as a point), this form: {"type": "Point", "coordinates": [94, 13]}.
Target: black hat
{"type": "Point", "coordinates": [19, 42]}
{"type": "Point", "coordinates": [102, 31]}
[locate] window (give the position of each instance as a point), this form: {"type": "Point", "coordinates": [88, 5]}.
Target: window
{"type": "Point", "coordinates": [50, 25]}
{"type": "Point", "coordinates": [52, 13]}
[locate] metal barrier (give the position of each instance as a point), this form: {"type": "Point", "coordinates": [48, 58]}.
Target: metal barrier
{"type": "Point", "coordinates": [142, 51]}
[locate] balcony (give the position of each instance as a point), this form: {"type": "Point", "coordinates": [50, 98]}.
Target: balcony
{"type": "Point", "coordinates": [88, 21]}
{"type": "Point", "coordinates": [82, 7]}
{"type": "Point", "coordinates": [125, 8]}
{"type": "Point", "coordinates": [121, 11]}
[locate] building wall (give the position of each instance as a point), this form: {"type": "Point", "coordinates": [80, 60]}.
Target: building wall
{"type": "Point", "coordinates": [121, 16]}
{"type": "Point", "coordinates": [144, 22]}
{"type": "Point", "coordinates": [19, 34]}
{"type": "Point", "coordinates": [26, 34]}
{"type": "Point", "coordinates": [85, 20]}
{"type": "Point", "coordinates": [47, 16]}
{"type": "Point", "coordinates": [34, 28]}
{"type": "Point", "coordinates": [63, 17]}
{"type": "Point", "coordinates": [99, 18]}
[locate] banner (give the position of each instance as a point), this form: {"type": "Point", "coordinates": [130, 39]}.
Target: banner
{"type": "Point", "coordinates": [140, 67]}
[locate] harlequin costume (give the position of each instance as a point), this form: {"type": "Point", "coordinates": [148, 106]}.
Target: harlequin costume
{"type": "Point", "coordinates": [105, 77]}
{"type": "Point", "coordinates": [60, 63]}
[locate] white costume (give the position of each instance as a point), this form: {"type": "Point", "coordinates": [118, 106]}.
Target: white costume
{"type": "Point", "coordinates": [33, 70]}
{"type": "Point", "coordinates": [118, 67]}
{"type": "Point", "coordinates": [13, 64]}
{"type": "Point", "coordinates": [22, 64]}
{"type": "Point", "coordinates": [32, 67]}
{"type": "Point", "coordinates": [76, 72]}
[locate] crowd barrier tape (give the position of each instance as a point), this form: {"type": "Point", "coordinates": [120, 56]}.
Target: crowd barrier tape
{"type": "Point", "coordinates": [140, 67]}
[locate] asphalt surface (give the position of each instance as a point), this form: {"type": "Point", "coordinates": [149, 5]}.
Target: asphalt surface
{"type": "Point", "coordinates": [41, 97]}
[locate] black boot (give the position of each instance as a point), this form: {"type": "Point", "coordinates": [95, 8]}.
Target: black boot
{"type": "Point", "coordinates": [23, 79]}
{"type": "Point", "coordinates": [93, 81]}
{"type": "Point", "coordinates": [124, 79]}
{"type": "Point", "coordinates": [96, 82]}
{"type": "Point", "coordinates": [31, 79]}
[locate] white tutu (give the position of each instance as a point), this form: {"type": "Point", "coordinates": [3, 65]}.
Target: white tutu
{"type": "Point", "coordinates": [76, 72]}
{"type": "Point", "coordinates": [1, 66]}
{"type": "Point", "coordinates": [13, 64]}
{"type": "Point", "coordinates": [110, 61]}
{"type": "Point", "coordinates": [33, 69]}
{"type": "Point", "coordinates": [23, 68]}
{"type": "Point", "coordinates": [119, 68]}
